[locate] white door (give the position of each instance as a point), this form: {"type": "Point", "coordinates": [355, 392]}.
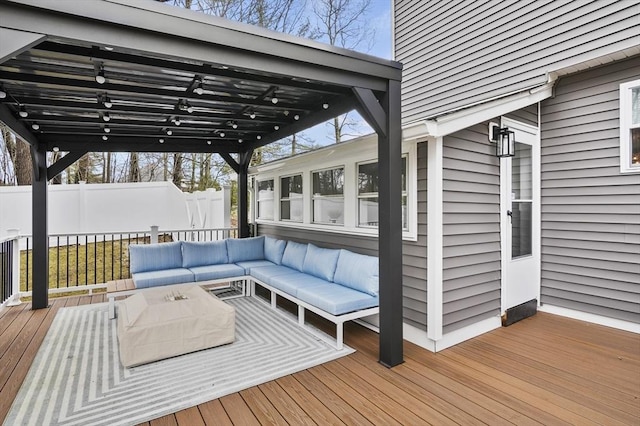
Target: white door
{"type": "Point", "coordinates": [520, 217]}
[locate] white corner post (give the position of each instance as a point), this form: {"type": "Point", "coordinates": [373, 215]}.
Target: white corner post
{"type": "Point", "coordinates": [435, 227]}
{"type": "Point", "coordinates": [154, 234]}
{"type": "Point", "coordinates": [15, 268]}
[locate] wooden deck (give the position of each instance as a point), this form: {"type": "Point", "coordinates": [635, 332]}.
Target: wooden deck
{"type": "Point", "coordinates": [544, 370]}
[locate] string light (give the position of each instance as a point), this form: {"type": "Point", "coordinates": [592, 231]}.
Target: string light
{"type": "Point", "coordinates": [35, 126]}
{"type": "Point", "coordinates": [23, 112]}
{"type": "Point", "coordinates": [100, 78]}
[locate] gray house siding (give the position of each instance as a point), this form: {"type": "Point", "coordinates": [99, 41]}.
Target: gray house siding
{"type": "Point", "coordinates": [464, 52]}
{"type": "Point", "coordinates": [414, 286]}
{"type": "Point", "coordinates": [471, 231]}
{"type": "Point", "coordinates": [528, 115]}
{"type": "Point", "coordinates": [590, 211]}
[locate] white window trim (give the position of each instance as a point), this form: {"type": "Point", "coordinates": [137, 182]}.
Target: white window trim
{"type": "Point", "coordinates": [625, 127]}
{"type": "Point", "coordinates": [349, 158]}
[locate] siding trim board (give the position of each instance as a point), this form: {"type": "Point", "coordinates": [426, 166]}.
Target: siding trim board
{"type": "Point", "coordinates": [596, 319]}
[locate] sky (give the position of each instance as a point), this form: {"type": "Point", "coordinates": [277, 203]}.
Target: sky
{"type": "Point", "coordinates": [380, 19]}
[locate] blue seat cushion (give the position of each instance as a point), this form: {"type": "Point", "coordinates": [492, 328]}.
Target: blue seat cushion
{"type": "Point", "coordinates": [163, 277]}
{"type": "Point", "coordinates": [290, 283]}
{"type": "Point", "coordinates": [215, 272]}
{"type": "Point", "coordinates": [336, 299]}
{"type": "Point", "coordinates": [294, 254]}
{"type": "Point", "coordinates": [266, 273]}
{"type": "Point", "coordinates": [320, 262]}
{"type": "Point", "coordinates": [243, 249]}
{"type": "Point", "coordinates": [154, 257]}
{"type": "Point", "coordinates": [205, 253]}
{"type": "Point", "coordinates": [357, 271]}
{"type": "Point", "coordinates": [274, 249]}
{"type": "Point", "coordinates": [250, 264]}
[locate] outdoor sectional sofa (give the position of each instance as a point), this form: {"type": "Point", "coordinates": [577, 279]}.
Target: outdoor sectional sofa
{"type": "Point", "coordinates": [338, 285]}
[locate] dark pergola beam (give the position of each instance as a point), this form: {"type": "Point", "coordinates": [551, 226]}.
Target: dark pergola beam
{"type": "Point", "coordinates": [18, 128]}
{"type": "Point", "coordinates": [230, 161]}
{"type": "Point", "coordinates": [59, 166]}
{"type": "Point", "coordinates": [114, 88]}
{"type": "Point", "coordinates": [199, 70]}
{"type": "Point", "coordinates": [96, 106]}
{"type": "Point", "coordinates": [98, 122]}
{"type": "Point", "coordinates": [371, 110]}
{"type": "Point", "coordinates": [115, 144]}
{"type": "Point", "coordinates": [336, 108]}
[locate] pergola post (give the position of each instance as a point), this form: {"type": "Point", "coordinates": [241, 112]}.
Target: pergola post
{"type": "Point", "coordinates": [40, 260]}
{"type": "Point", "coordinates": [243, 193]}
{"type": "Point", "coordinates": [390, 230]}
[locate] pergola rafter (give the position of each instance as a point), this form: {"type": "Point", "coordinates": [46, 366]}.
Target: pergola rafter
{"type": "Point", "coordinates": [232, 87]}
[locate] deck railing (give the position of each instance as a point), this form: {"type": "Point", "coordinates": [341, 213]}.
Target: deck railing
{"type": "Point", "coordinates": [9, 269]}
{"type": "Point", "coordinates": [85, 261]}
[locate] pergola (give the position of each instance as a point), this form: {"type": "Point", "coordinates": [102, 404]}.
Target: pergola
{"type": "Point", "coordinates": [139, 76]}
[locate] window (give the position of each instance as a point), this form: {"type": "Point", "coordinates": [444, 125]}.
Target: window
{"type": "Point", "coordinates": [328, 196]}
{"type": "Point", "coordinates": [630, 127]}
{"type": "Point", "coordinates": [265, 199]}
{"type": "Point", "coordinates": [368, 195]}
{"type": "Point", "coordinates": [291, 198]}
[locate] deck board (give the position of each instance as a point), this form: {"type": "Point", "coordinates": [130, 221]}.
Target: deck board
{"type": "Point", "coordinates": [543, 370]}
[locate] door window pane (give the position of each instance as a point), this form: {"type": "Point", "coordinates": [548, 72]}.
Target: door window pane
{"type": "Point", "coordinates": [520, 229]}
{"type": "Point", "coordinates": [521, 173]}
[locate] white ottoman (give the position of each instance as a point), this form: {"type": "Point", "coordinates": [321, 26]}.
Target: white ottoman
{"type": "Point", "coordinates": [152, 327]}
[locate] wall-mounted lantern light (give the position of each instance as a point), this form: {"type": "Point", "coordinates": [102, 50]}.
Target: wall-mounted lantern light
{"type": "Point", "coordinates": [504, 139]}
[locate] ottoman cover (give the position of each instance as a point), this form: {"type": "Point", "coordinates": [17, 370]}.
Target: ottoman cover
{"type": "Point", "coordinates": [153, 327]}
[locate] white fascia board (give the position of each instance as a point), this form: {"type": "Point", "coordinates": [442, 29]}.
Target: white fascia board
{"type": "Point", "coordinates": [456, 121]}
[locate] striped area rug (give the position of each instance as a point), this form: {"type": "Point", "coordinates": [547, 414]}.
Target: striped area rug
{"type": "Point", "coordinates": [77, 379]}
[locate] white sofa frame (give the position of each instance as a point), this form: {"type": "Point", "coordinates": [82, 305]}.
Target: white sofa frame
{"type": "Point", "coordinates": [338, 320]}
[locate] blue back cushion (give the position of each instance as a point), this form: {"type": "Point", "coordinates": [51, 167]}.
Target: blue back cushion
{"type": "Point", "coordinates": [294, 254]}
{"type": "Point", "coordinates": [274, 249]}
{"type": "Point", "coordinates": [154, 257]}
{"type": "Point", "coordinates": [321, 262]}
{"type": "Point", "coordinates": [243, 249]}
{"type": "Point", "coordinates": [202, 254]}
{"type": "Point", "coordinates": [357, 271]}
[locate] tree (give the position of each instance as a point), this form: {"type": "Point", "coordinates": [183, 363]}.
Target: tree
{"type": "Point", "coordinates": [134, 168]}
{"type": "Point", "coordinates": [20, 154]}
{"type": "Point", "coordinates": [343, 23]}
